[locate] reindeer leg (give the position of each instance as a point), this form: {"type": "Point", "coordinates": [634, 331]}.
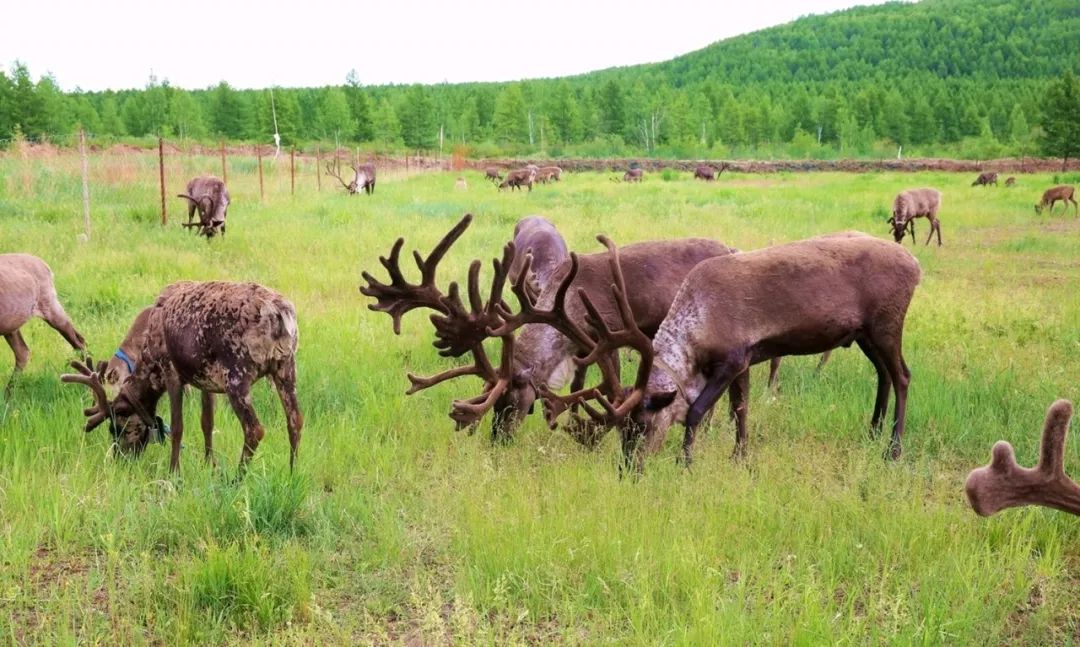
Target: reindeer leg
{"type": "Point", "coordinates": [721, 379]}
{"type": "Point", "coordinates": [22, 356]}
{"type": "Point", "coordinates": [894, 363]}
{"type": "Point", "coordinates": [176, 406]}
{"type": "Point", "coordinates": [822, 361]}
{"type": "Point", "coordinates": [738, 396]}
{"type": "Point", "coordinates": [240, 399]}
{"type": "Point", "coordinates": [207, 421]}
{"type": "Point", "coordinates": [881, 402]}
{"type": "Point", "coordinates": [59, 321]}
{"type": "Point", "coordinates": [774, 370]}
{"type": "Point", "coordinates": [285, 383]}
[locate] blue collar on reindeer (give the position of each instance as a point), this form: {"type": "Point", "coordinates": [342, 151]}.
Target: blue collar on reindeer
{"type": "Point", "coordinates": [122, 356]}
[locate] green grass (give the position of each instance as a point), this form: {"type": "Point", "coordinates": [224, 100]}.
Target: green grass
{"type": "Point", "coordinates": [396, 529]}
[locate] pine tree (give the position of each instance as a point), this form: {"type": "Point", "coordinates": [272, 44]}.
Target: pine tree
{"type": "Point", "coordinates": [510, 121]}
{"type": "Point", "coordinates": [387, 128]}
{"type": "Point", "coordinates": [1061, 119]}
{"type": "Point", "coordinates": [419, 129]}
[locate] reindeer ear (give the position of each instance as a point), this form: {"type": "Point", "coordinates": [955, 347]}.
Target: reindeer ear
{"type": "Point", "coordinates": [659, 401]}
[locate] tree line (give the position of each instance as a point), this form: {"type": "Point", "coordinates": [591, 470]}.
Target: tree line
{"type": "Point", "coordinates": [987, 84]}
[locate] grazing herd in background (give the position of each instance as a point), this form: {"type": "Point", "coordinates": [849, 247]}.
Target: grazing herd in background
{"type": "Point", "coordinates": [696, 316]}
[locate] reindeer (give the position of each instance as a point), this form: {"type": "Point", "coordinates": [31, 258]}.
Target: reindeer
{"type": "Point", "coordinates": [216, 336]}
{"type": "Point", "coordinates": [911, 204]}
{"type": "Point", "coordinates": [517, 179]}
{"type": "Point", "coordinates": [1004, 484]}
{"type": "Point", "coordinates": [210, 196]}
{"type": "Point", "coordinates": [27, 290]}
{"type": "Point", "coordinates": [541, 358]}
{"type": "Point", "coordinates": [728, 315]}
{"type": "Point", "coordinates": [363, 177]}
{"type": "Point", "coordinates": [633, 175]}
{"type": "Point", "coordinates": [706, 173]}
{"type": "Point", "coordinates": [1063, 192]}
{"type": "Point", "coordinates": [550, 173]}
{"type": "Point", "coordinates": [986, 179]}
{"type": "Point", "coordinates": [1010, 181]}
{"type": "Point", "coordinates": [492, 173]}
{"type": "Point", "coordinates": [536, 236]}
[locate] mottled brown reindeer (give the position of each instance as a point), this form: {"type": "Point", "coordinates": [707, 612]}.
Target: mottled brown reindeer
{"type": "Point", "coordinates": [912, 204]}
{"type": "Point", "coordinates": [26, 291]}
{"type": "Point", "coordinates": [1063, 193]}
{"type": "Point", "coordinates": [1004, 484]}
{"type": "Point", "coordinates": [736, 310]}
{"type": "Point", "coordinates": [986, 179]}
{"type": "Point", "coordinates": [210, 197]}
{"type": "Point", "coordinates": [216, 336]}
{"type": "Point", "coordinates": [519, 178]}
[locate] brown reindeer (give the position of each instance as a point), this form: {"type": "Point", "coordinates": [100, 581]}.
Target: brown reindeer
{"type": "Point", "coordinates": [519, 178]}
{"type": "Point", "coordinates": [218, 337]}
{"type": "Point", "coordinates": [1063, 193]}
{"type": "Point", "coordinates": [363, 177]}
{"type": "Point", "coordinates": [26, 291]}
{"type": "Point", "coordinates": [541, 358]}
{"type": "Point", "coordinates": [535, 236]}
{"type": "Point", "coordinates": [1010, 181]}
{"type": "Point", "coordinates": [986, 179]}
{"type": "Point", "coordinates": [1004, 484]}
{"type": "Point", "coordinates": [492, 173]}
{"type": "Point", "coordinates": [728, 315]}
{"type": "Point", "coordinates": [210, 197]}
{"type": "Point", "coordinates": [633, 175]}
{"type": "Point", "coordinates": [912, 204]}
{"type": "Point", "coordinates": [550, 173]}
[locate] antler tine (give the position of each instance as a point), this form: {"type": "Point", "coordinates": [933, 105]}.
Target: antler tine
{"type": "Point", "coordinates": [399, 296]}
{"type": "Point", "coordinates": [468, 412]}
{"type": "Point", "coordinates": [86, 376]}
{"type": "Point", "coordinates": [1004, 484]}
{"type": "Point", "coordinates": [555, 317]}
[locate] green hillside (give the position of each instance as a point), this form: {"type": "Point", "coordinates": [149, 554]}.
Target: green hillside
{"type": "Point", "coordinates": [966, 78]}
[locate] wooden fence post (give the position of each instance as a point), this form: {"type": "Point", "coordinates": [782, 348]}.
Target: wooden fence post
{"type": "Point", "coordinates": [292, 170]}
{"type": "Point", "coordinates": [224, 169]}
{"type": "Point", "coordinates": [85, 183]}
{"type": "Point", "coordinates": [258, 154]}
{"type": "Point", "coordinates": [161, 176]}
{"type": "Point", "coordinates": [318, 165]}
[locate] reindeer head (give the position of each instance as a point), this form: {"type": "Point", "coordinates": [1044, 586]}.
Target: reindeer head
{"type": "Point", "coordinates": [131, 426]}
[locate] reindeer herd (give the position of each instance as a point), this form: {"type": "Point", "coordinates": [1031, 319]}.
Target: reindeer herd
{"type": "Point", "coordinates": [697, 313]}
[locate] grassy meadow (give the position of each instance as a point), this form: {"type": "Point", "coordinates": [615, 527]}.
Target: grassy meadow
{"type": "Point", "coordinates": [396, 529]}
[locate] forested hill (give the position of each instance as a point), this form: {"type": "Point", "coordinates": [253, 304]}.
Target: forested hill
{"type": "Point", "coordinates": [968, 78]}
{"type": "Point", "coordinates": [987, 39]}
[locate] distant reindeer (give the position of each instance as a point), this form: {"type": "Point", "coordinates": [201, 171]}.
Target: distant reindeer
{"type": "Point", "coordinates": [985, 179]}
{"type": "Point", "coordinates": [708, 173]}
{"type": "Point", "coordinates": [27, 290]}
{"type": "Point", "coordinates": [1011, 181]}
{"type": "Point", "coordinates": [363, 177]}
{"type": "Point", "coordinates": [519, 178]}
{"type": "Point", "coordinates": [911, 204]}
{"type": "Point", "coordinates": [633, 175]}
{"type": "Point", "coordinates": [210, 196]}
{"type": "Point", "coordinates": [492, 173]}
{"type": "Point", "coordinates": [1063, 192]}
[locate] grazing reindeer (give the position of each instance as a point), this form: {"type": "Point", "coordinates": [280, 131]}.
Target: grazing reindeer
{"type": "Point", "coordinates": [838, 289]}
{"type": "Point", "coordinates": [633, 175]}
{"type": "Point", "coordinates": [492, 173]}
{"type": "Point", "coordinates": [706, 173]}
{"type": "Point", "coordinates": [536, 236]}
{"type": "Point", "coordinates": [363, 177]}
{"type": "Point", "coordinates": [986, 179]}
{"type": "Point", "coordinates": [541, 358]}
{"type": "Point", "coordinates": [1063, 193]}
{"type": "Point", "coordinates": [218, 337]}
{"type": "Point", "coordinates": [912, 204]}
{"type": "Point", "coordinates": [1004, 484]}
{"type": "Point", "coordinates": [550, 173]}
{"type": "Point", "coordinates": [210, 196]}
{"type": "Point", "coordinates": [1010, 181]}
{"type": "Point", "coordinates": [27, 290]}
{"type": "Point", "coordinates": [517, 179]}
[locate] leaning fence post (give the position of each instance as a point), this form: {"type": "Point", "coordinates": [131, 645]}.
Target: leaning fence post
{"type": "Point", "coordinates": [258, 154]}
{"type": "Point", "coordinates": [224, 170]}
{"type": "Point", "coordinates": [292, 170]}
{"type": "Point", "coordinates": [85, 183]}
{"type": "Point", "coordinates": [161, 175]}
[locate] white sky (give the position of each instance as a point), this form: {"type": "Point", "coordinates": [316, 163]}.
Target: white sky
{"type": "Point", "coordinates": [197, 43]}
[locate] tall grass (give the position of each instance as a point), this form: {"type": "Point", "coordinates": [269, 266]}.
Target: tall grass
{"type": "Point", "coordinates": [395, 529]}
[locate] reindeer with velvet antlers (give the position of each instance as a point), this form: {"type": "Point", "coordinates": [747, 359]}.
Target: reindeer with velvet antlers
{"type": "Point", "coordinates": [363, 177]}
{"type": "Point", "coordinates": [553, 341]}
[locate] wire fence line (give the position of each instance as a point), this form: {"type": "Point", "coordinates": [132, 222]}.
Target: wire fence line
{"type": "Point", "coordinates": [105, 178]}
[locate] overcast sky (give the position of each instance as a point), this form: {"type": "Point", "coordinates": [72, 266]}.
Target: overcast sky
{"type": "Point", "coordinates": [197, 43]}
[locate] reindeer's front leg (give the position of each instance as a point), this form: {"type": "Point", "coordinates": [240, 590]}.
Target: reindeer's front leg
{"type": "Point", "coordinates": [207, 421]}
{"type": "Point", "coordinates": [176, 405]}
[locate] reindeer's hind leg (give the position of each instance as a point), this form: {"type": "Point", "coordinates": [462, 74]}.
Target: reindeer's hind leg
{"type": "Point", "coordinates": [935, 225]}
{"type": "Point", "coordinates": [824, 359]}
{"type": "Point", "coordinates": [207, 421]}
{"type": "Point", "coordinates": [738, 395]}
{"type": "Point", "coordinates": [285, 382]}
{"type": "Point", "coordinates": [881, 401]}
{"type": "Point", "coordinates": [887, 349]}
{"type": "Point", "coordinates": [22, 356]}
{"type": "Point", "coordinates": [774, 372]}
